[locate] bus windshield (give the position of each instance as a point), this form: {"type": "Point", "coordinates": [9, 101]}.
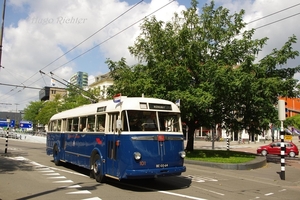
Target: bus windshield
{"type": "Point", "coordinates": [152, 121]}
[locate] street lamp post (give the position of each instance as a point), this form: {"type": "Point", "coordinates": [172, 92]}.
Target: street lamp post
{"type": "Point", "coordinates": [7, 132]}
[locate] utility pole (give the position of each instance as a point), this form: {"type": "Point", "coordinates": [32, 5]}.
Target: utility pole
{"type": "Point", "coordinates": [2, 28]}
{"type": "Point", "coordinates": [16, 114]}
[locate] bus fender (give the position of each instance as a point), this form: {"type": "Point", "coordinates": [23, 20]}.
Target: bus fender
{"type": "Point", "coordinates": [94, 152]}
{"type": "Point", "coordinates": [96, 166]}
{"type": "Point", "coordinates": [56, 153]}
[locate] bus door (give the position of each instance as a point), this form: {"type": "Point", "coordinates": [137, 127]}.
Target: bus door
{"type": "Point", "coordinates": [112, 165]}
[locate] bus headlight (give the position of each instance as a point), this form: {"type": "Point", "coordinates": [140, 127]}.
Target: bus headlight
{"type": "Point", "coordinates": [137, 155]}
{"type": "Point", "coordinates": [182, 154]}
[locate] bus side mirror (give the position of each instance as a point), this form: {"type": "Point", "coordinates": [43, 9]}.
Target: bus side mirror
{"type": "Point", "coordinates": [119, 125]}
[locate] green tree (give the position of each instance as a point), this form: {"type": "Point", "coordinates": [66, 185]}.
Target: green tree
{"type": "Point", "coordinates": [208, 62]}
{"type": "Point", "coordinates": [32, 110]}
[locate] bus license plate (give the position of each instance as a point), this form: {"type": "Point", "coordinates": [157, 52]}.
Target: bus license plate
{"type": "Point", "coordinates": [161, 165]}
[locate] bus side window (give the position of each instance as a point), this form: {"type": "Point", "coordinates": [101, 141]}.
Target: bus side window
{"type": "Point", "coordinates": [75, 124]}
{"type": "Point", "coordinates": [82, 124]}
{"type": "Point", "coordinates": [53, 126]}
{"type": "Point", "coordinates": [64, 125]}
{"type": "Point", "coordinates": [91, 123]}
{"type": "Point", "coordinates": [69, 125]}
{"type": "Point", "coordinates": [59, 125]}
{"type": "Point", "coordinates": [101, 123]}
{"type": "Point", "coordinates": [113, 122]}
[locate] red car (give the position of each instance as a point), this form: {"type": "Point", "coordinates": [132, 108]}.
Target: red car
{"type": "Point", "coordinates": [274, 149]}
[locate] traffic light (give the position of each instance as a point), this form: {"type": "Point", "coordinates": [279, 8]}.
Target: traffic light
{"type": "Point", "coordinates": [282, 110]}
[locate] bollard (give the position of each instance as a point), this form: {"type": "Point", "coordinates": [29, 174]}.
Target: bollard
{"type": "Point", "coordinates": [227, 141]}
{"type": "Point", "coordinates": [282, 155]}
{"type": "Point", "coordinates": [6, 145]}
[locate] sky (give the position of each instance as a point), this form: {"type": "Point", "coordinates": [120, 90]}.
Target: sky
{"type": "Point", "coordinates": [64, 37]}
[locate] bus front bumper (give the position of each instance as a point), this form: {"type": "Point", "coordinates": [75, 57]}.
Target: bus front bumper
{"type": "Point", "coordinates": [154, 173]}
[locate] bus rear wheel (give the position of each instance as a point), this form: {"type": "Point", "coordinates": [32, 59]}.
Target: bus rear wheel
{"type": "Point", "coordinates": [56, 156]}
{"type": "Point", "coordinates": [97, 171]}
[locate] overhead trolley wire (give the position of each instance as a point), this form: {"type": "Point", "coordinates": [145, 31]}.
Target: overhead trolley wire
{"type": "Point", "coordinates": [114, 35]}
{"type": "Point", "coordinates": [274, 13]}
{"type": "Point", "coordinates": [140, 21]}
{"type": "Point", "coordinates": [87, 38]}
{"type": "Point", "coordinates": [79, 44]}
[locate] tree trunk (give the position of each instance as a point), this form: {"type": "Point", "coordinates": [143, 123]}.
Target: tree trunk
{"type": "Point", "coordinates": [190, 139]}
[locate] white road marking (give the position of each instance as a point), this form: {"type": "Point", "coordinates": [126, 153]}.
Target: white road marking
{"type": "Point", "coordinates": [45, 171]}
{"type": "Point", "coordinates": [37, 164]}
{"type": "Point", "coordinates": [169, 193]}
{"type": "Point", "coordinates": [211, 191]}
{"type": "Point", "coordinates": [93, 198]}
{"type": "Point", "coordinates": [52, 174]}
{"type": "Point", "coordinates": [201, 179]}
{"type": "Point", "coordinates": [20, 158]}
{"type": "Point", "coordinates": [42, 169]}
{"type": "Point", "coordinates": [56, 177]}
{"type": "Point", "coordinates": [80, 192]}
{"type": "Point", "coordinates": [268, 194]}
{"type": "Point", "coordinates": [70, 172]}
{"type": "Point", "coordinates": [70, 186]}
{"type": "Point", "coordinates": [65, 181]}
{"type": "Point", "coordinates": [181, 195]}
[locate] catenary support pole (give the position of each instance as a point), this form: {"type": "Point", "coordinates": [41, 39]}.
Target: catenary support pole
{"type": "Point", "coordinates": [282, 152]}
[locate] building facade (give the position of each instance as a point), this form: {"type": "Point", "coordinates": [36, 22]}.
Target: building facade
{"type": "Point", "coordinates": [102, 82]}
{"type": "Point", "coordinates": [292, 106]}
{"type": "Point", "coordinates": [79, 79]}
{"type": "Point", "coordinates": [49, 93]}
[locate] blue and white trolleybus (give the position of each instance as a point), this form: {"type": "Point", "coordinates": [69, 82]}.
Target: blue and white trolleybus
{"type": "Point", "coordinates": [135, 138]}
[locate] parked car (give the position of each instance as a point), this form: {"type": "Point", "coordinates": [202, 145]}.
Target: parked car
{"type": "Point", "coordinates": [274, 148]}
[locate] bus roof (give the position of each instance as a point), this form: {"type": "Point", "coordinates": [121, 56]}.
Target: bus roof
{"type": "Point", "coordinates": [127, 103]}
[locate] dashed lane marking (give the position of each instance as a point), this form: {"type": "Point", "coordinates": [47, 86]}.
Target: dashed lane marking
{"type": "Point", "coordinates": [201, 179]}
{"type": "Point", "coordinates": [70, 186]}
{"type": "Point", "coordinates": [80, 192]}
{"type": "Point", "coordinates": [65, 181]}
{"type": "Point", "coordinates": [49, 171]}
{"type": "Point", "coordinates": [52, 174]}
{"type": "Point", "coordinates": [57, 177]}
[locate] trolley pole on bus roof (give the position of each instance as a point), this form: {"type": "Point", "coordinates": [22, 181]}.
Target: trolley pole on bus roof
{"type": "Point", "coordinates": [282, 117]}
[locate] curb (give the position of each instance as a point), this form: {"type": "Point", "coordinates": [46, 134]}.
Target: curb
{"type": "Point", "coordinates": [258, 162]}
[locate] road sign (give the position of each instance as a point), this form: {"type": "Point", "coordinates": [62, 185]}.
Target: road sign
{"type": "Point", "coordinates": [288, 137]}
{"type": "Point", "coordinates": [3, 123]}
{"type": "Point", "coordinates": [25, 124]}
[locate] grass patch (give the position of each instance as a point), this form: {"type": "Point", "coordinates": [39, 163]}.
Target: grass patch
{"type": "Point", "coordinates": [219, 156]}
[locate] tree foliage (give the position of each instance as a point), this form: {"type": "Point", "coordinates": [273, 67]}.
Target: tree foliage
{"type": "Point", "coordinates": [209, 62]}
{"type": "Point", "coordinates": [42, 111]}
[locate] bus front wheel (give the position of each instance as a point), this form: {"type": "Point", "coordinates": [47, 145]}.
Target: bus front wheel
{"type": "Point", "coordinates": [56, 156]}
{"type": "Point", "coordinates": [97, 169]}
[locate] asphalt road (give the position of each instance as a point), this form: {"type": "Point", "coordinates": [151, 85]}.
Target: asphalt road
{"type": "Point", "coordinates": [26, 172]}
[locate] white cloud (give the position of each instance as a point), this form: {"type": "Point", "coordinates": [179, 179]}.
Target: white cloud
{"type": "Point", "coordinates": [51, 27]}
